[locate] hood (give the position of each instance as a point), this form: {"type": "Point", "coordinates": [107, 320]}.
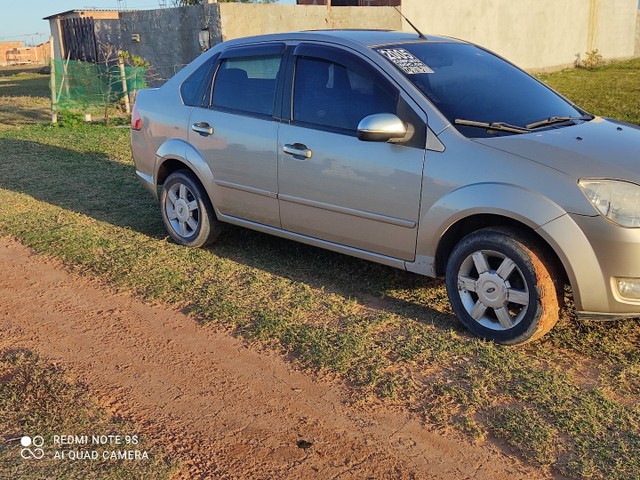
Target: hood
{"type": "Point", "coordinates": [596, 149]}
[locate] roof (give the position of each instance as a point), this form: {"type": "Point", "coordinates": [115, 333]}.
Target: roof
{"type": "Point", "coordinates": [366, 38]}
{"type": "Point", "coordinates": [370, 38]}
{"type": "Point", "coordinates": [82, 11]}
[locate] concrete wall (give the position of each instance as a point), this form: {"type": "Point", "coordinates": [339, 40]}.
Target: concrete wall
{"type": "Point", "coordinates": [241, 19]}
{"type": "Point", "coordinates": [637, 50]}
{"type": "Point", "coordinates": [169, 38]}
{"type": "Point", "coordinates": [534, 34]}
{"type": "Point", "coordinates": [615, 27]}
{"type": "Point", "coordinates": [355, 3]}
{"type": "Point", "coordinates": [108, 32]}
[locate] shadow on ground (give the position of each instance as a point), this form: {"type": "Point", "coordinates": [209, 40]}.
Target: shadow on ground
{"type": "Point", "coordinates": [107, 190]}
{"type": "Point", "coordinates": [24, 110]}
{"type": "Point", "coordinates": [25, 85]}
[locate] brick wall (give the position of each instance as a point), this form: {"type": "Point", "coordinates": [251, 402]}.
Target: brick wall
{"type": "Point", "coordinates": [5, 47]}
{"type": "Point", "coordinates": [38, 54]}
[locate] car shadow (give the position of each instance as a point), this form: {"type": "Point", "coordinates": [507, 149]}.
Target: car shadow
{"type": "Point", "coordinates": [84, 182]}
{"type": "Point", "coordinates": [34, 111]}
{"type": "Point", "coordinates": [92, 184]}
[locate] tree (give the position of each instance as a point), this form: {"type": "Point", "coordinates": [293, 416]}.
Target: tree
{"type": "Point", "coordinates": [106, 78]}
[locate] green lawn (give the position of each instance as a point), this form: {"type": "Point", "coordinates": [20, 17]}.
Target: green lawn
{"type": "Point", "coordinates": [24, 96]}
{"type": "Point", "coordinates": [612, 90]}
{"type": "Point", "coordinates": [569, 402]}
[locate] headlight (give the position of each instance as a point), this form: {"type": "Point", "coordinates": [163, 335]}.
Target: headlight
{"type": "Point", "coordinates": [617, 200]}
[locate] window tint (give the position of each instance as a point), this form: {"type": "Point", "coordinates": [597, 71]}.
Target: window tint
{"type": "Point", "coordinates": [195, 89]}
{"type": "Point", "coordinates": [329, 94]}
{"type": "Point", "coordinates": [247, 84]}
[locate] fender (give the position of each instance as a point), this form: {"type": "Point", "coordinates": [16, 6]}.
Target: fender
{"type": "Point", "coordinates": [575, 252]}
{"type": "Point", "coordinates": [184, 152]}
{"type": "Point", "coordinates": [526, 206]}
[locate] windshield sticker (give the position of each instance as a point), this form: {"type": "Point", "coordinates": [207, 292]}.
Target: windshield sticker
{"type": "Point", "coordinates": [405, 61]}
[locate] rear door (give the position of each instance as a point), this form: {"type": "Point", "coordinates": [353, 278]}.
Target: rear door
{"type": "Point", "coordinates": [333, 186]}
{"type": "Point", "coordinates": [237, 134]}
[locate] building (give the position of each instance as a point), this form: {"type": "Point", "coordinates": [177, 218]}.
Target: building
{"type": "Point", "coordinates": [170, 38]}
{"type": "Point", "coordinates": [6, 47]}
{"type": "Point", "coordinates": [534, 35]}
{"type": "Point", "coordinates": [31, 55]}
{"type": "Point", "coordinates": [78, 33]}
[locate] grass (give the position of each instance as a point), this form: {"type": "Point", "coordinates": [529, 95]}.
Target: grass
{"type": "Point", "coordinates": [10, 70]}
{"type": "Point", "coordinates": [611, 90]}
{"type": "Point", "coordinates": [25, 84]}
{"type": "Point", "coordinates": [37, 399]}
{"type": "Point", "coordinates": [24, 97]}
{"type": "Point", "coordinates": [569, 402]}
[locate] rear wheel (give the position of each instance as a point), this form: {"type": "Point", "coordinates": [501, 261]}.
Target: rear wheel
{"type": "Point", "coordinates": [187, 211]}
{"type": "Point", "coordinates": [501, 288]}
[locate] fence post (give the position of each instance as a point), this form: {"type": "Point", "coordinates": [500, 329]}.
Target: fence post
{"type": "Point", "coordinates": [123, 75]}
{"type": "Point", "coordinates": [65, 80]}
{"type": "Point", "coordinates": [54, 115]}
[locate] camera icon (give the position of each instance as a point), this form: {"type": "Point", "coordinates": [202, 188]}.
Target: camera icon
{"type": "Point", "coordinates": [28, 452]}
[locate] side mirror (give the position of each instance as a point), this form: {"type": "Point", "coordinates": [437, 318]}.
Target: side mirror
{"type": "Point", "coordinates": [381, 127]}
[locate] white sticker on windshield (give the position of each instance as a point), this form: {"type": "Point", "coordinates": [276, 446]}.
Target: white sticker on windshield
{"type": "Point", "coordinates": [408, 63]}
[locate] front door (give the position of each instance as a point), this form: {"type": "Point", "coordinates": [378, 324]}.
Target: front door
{"type": "Point", "coordinates": [335, 187]}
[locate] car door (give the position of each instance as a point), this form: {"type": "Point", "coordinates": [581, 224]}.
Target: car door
{"type": "Point", "coordinates": [237, 134]}
{"type": "Point", "coordinates": [333, 186]}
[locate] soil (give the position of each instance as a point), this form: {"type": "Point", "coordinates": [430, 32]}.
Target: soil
{"type": "Point", "coordinates": [219, 406]}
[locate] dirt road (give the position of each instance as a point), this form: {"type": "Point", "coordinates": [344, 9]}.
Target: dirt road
{"type": "Point", "coordinates": [222, 408]}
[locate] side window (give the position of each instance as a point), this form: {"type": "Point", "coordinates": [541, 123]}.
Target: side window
{"type": "Point", "coordinates": [331, 95]}
{"type": "Point", "coordinates": [247, 84]}
{"type": "Point", "coordinates": [195, 89]}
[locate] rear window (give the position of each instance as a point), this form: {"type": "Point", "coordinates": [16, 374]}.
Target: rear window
{"type": "Point", "coordinates": [247, 84]}
{"type": "Point", "coordinates": [195, 89]}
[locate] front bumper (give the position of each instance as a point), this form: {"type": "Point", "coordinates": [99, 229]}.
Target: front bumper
{"type": "Point", "coordinates": [595, 252]}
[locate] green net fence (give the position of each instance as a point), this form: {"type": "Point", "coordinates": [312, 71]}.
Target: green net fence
{"type": "Point", "coordinates": [83, 84]}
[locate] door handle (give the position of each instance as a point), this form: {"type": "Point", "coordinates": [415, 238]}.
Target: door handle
{"type": "Point", "coordinates": [203, 128]}
{"type": "Point", "coordinates": [297, 150]}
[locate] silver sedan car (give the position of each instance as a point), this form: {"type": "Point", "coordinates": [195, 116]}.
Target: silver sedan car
{"type": "Point", "coordinates": [427, 154]}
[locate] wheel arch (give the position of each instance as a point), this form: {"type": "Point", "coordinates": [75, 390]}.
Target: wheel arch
{"type": "Point", "coordinates": [176, 154]}
{"type": "Point", "coordinates": [483, 205]}
{"type": "Point", "coordinates": [467, 225]}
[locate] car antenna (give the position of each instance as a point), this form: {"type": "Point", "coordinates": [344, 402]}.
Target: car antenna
{"type": "Point", "coordinates": [420, 34]}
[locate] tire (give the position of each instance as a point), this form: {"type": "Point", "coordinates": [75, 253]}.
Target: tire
{"type": "Point", "coordinates": [501, 287]}
{"type": "Point", "coordinates": [187, 211]}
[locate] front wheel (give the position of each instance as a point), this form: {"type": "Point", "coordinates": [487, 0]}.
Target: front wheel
{"type": "Point", "coordinates": [187, 211]}
{"type": "Point", "coordinates": [501, 288]}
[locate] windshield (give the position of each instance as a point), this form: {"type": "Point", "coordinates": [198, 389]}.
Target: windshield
{"type": "Point", "coordinates": [470, 84]}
